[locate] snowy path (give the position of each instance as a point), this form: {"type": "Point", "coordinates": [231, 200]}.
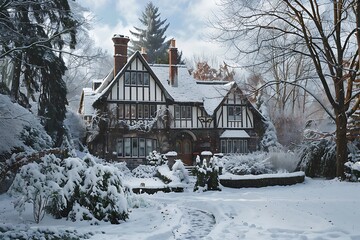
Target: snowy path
{"type": "Point", "coordinates": [194, 224]}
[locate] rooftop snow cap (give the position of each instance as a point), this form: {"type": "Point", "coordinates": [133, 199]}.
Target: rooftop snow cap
{"type": "Point", "coordinates": [120, 52]}
{"type": "Point", "coordinates": [144, 53]}
{"type": "Point", "coordinates": [173, 69]}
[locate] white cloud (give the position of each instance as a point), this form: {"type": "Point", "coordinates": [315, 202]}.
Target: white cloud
{"type": "Point", "coordinates": [95, 4]}
{"type": "Point", "coordinates": [102, 35]}
{"type": "Point", "coordinates": [128, 10]}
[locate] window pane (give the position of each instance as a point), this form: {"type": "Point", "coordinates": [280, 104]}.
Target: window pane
{"type": "Point", "coordinates": [127, 147]}
{"type": "Point", "coordinates": [120, 148]}
{"type": "Point", "coordinates": [153, 110]}
{"type": "Point", "coordinates": [236, 146]}
{"type": "Point", "coordinates": [177, 112]}
{"type": "Point", "coordinates": [149, 147]}
{"type": "Point", "coordinates": [246, 146]}
{"type": "Point", "coordinates": [133, 111]}
{"type": "Point", "coordinates": [229, 146]}
{"type": "Point", "coordinates": [183, 112]}
{"type": "Point", "coordinates": [154, 144]}
{"type": "Point", "coordinates": [231, 113]}
{"type": "Point", "coordinates": [133, 78]}
{"type": "Point", "coordinates": [223, 146]}
{"type": "Point", "coordinates": [241, 146]}
{"type": "Point", "coordinates": [188, 112]}
{"type": "Point", "coordinates": [140, 78]}
{"type": "Point", "coordinates": [121, 111]}
{"type": "Point", "coordinates": [140, 111]}
{"type": "Point", "coordinates": [127, 78]}
{"type": "Point", "coordinates": [146, 79]}
{"type": "Point", "coordinates": [134, 147]}
{"type": "Point", "coordinates": [127, 111]}
{"type": "Point", "coordinates": [238, 113]}
{"type": "Point", "coordinates": [146, 112]}
{"type": "Point", "coordinates": [141, 147]}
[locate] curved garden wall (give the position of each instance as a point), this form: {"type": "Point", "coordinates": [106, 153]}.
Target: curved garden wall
{"type": "Point", "coordinates": [263, 180]}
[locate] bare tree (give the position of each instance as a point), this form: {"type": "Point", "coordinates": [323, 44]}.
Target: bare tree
{"type": "Point", "coordinates": [326, 32]}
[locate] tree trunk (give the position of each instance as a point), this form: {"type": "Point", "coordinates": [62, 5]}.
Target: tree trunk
{"type": "Point", "coordinates": [341, 142]}
{"type": "Point", "coordinates": [15, 84]}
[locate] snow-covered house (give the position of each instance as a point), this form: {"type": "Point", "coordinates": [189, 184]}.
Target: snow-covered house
{"type": "Point", "coordinates": [140, 107]}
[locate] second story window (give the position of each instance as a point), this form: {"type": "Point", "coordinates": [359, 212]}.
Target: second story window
{"type": "Point", "coordinates": [137, 78]}
{"type": "Point", "coordinates": [136, 111]}
{"type": "Point", "coordinates": [234, 113]}
{"type": "Point", "coordinates": [182, 112]}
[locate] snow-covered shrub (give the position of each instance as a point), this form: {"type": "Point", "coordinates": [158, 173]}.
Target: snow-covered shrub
{"type": "Point", "coordinates": [352, 171]}
{"type": "Point", "coordinates": [75, 188]}
{"type": "Point", "coordinates": [101, 193]}
{"type": "Point", "coordinates": [178, 173]}
{"type": "Point", "coordinates": [200, 173]}
{"type": "Point", "coordinates": [253, 163]}
{"type": "Point", "coordinates": [28, 232]}
{"type": "Point", "coordinates": [318, 158]}
{"type": "Point", "coordinates": [144, 171]}
{"type": "Point", "coordinates": [283, 161]}
{"type": "Point", "coordinates": [37, 183]}
{"type": "Point", "coordinates": [124, 170]}
{"type": "Point", "coordinates": [156, 159]}
{"type": "Point", "coordinates": [207, 175]}
{"type": "Point", "coordinates": [20, 129]}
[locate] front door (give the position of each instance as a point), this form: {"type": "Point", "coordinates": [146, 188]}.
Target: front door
{"type": "Point", "coordinates": [184, 150]}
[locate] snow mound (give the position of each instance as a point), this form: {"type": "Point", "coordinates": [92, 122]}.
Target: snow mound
{"type": "Point", "coordinates": [20, 129]}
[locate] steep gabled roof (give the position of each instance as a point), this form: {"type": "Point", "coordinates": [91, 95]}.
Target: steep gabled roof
{"type": "Point", "coordinates": [108, 83]}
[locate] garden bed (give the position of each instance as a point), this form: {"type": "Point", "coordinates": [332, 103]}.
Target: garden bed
{"type": "Point", "coordinates": [151, 185]}
{"type": "Point", "coordinates": [155, 190]}
{"type": "Point", "coordinates": [263, 180]}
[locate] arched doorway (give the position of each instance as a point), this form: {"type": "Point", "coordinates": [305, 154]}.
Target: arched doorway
{"type": "Point", "coordinates": [184, 147]}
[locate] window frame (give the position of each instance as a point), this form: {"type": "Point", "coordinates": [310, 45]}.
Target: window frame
{"type": "Point", "coordinates": [136, 79]}
{"type": "Point", "coordinates": [133, 147]}
{"type": "Point", "coordinates": [229, 145]}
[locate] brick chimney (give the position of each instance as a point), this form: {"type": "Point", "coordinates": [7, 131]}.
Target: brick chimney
{"type": "Point", "coordinates": [120, 52]}
{"type": "Point", "coordinates": [173, 69]}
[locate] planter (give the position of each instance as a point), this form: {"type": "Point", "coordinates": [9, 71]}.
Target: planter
{"type": "Point", "coordinates": [263, 180]}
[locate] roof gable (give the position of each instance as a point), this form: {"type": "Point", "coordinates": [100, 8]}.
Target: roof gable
{"type": "Point", "coordinates": [105, 88]}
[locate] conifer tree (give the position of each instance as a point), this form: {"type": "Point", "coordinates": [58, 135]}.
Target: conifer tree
{"type": "Point", "coordinates": [152, 36]}
{"type": "Point", "coordinates": [33, 35]}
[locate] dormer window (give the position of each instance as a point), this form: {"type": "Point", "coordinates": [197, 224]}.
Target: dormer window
{"type": "Point", "coordinates": [137, 78]}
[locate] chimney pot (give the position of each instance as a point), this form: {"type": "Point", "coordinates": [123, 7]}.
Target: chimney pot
{"type": "Point", "coordinates": [143, 53]}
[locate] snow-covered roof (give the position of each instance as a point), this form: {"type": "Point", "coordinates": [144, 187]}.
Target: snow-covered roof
{"type": "Point", "coordinates": [234, 134]}
{"type": "Point", "coordinates": [189, 89]}
{"type": "Point", "coordinates": [88, 99]}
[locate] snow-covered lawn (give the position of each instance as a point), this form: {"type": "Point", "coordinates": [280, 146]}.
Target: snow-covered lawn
{"type": "Point", "coordinates": [315, 209]}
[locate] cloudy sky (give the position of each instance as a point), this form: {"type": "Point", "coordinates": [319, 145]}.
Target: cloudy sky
{"type": "Point", "coordinates": [188, 23]}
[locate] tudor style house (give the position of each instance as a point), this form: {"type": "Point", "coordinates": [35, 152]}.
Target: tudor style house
{"type": "Point", "coordinates": [140, 107]}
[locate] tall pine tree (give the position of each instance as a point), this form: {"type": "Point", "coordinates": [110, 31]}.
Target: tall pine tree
{"type": "Point", "coordinates": [151, 37]}
{"type": "Point", "coordinates": [33, 35]}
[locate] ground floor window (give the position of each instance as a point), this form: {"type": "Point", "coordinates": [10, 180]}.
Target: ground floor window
{"type": "Point", "coordinates": [234, 145]}
{"type": "Point", "coordinates": [135, 147]}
